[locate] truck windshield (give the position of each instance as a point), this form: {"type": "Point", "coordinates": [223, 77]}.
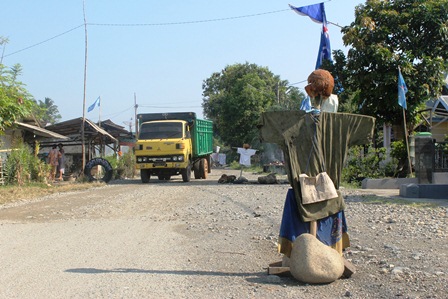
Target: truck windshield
{"type": "Point", "coordinates": [161, 130]}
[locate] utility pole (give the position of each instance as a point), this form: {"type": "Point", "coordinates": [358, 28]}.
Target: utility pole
{"type": "Point", "coordinates": [278, 92]}
{"type": "Point", "coordinates": [130, 124]}
{"type": "Point", "coordinates": [135, 114]}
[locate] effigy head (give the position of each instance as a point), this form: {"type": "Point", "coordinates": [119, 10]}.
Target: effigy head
{"type": "Point", "coordinates": [320, 84]}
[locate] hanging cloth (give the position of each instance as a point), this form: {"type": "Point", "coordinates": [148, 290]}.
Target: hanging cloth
{"type": "Point", "coordinates": [320, 187]}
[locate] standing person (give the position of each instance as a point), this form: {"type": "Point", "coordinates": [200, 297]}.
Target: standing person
{"type": "Point", "coordinates": [61, 161]}
{"type": "Point", "coordinates": [53, 161]}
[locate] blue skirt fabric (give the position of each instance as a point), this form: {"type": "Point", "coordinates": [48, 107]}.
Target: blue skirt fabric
{"type": "Point", "coordinates": [331, 230]}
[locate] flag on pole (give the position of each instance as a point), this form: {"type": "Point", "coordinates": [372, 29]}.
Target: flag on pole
{"type": "Point", "coordinates": [324, 47]}
{"type": "Point", "coordinates": [306, 104]}
{"type": "Point", "coordinates": [91, 107]}
{"type": "Point", "coordinates": [402, 90]}
{"type": "Point", "coordinates": [316, 12]}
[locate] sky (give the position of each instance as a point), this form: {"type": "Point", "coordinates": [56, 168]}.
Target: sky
{"type": "Point", "coordinates": [156, 52]}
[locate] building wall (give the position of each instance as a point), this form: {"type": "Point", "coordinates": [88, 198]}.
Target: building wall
{"type": "Point", "coordinates": [439, 131]}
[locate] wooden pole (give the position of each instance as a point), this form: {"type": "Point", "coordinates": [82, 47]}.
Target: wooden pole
{"type": "Point", "coordinates": [84, 94]}
{"type": "Point", "coordinates": [407, 143]}
{"type": "Point", "coordinates": [99, 112]}
{"type": "Point", "coordinates": [135, 114]}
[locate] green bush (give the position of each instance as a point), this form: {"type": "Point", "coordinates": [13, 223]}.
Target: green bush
{"type": "Point", "coordinates": [23, 166]}
{"type": "Point", "coordinates": [370, 163]}
{"type": "Point", "coordinates": [123, 166]}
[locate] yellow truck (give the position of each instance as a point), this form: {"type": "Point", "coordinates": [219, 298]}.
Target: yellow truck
{"type": "Point", "coordinates": [173, 143]}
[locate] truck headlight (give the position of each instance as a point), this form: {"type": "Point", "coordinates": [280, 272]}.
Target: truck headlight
{"type": "Point", "coordinates": [139, 159]}
{"type": "Point", "coordinates": [180, 158]}
{"type": "Point", "coordinates": [174, 158]}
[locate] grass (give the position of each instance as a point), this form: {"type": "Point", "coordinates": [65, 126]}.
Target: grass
{"type": "Point", "coordinates": [12, 193]}
{"type": "Point", "coordinates": [253, 169]}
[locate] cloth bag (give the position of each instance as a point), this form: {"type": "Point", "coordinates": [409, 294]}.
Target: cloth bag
{"type": "Point", "coordinates": [316, 189]}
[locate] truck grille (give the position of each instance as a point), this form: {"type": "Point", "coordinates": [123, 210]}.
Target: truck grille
{"type": "Point", "coordinates": [148, 159]}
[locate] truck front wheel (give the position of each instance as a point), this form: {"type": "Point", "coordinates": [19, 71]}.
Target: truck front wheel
{"type": "Point", "coordinates": [186, 174]}
{"type": "Point", "coordinates": [145, 175]}
{"type": "Point", "coordinates": [197, 169]}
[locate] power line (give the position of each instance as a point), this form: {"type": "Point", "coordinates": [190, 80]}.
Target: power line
{"type": "Point", "coordinates": [112, 115]}
{"type": "Point", "coordinates": [42, 42]}
{"type": "Point", "coordinates": [164, 107]}
{"type": "Point", "coordinates": [147, 24]}
{"type": "Point", "coordinates": [191, 22]}
{"type": "Point", "coordinates": [298, 82]}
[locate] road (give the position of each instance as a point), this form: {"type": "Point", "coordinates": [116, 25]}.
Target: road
{"type": "Point", "coordinates": [132, 240]}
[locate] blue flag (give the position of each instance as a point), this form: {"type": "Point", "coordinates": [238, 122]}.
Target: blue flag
{"type": "Point", "coordinates": [324, 47]}
{"type": "Point", "coordinates": [306, 104]}
{"type": "Point", "coordinates": [402, 90]}
{"type": "Point", "coordinates": [316, 12]}
{"type": "Point", "coordinates": [91, 107]}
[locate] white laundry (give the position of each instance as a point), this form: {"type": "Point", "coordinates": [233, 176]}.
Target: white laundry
{"type": "Point", "coordinates": [222, 159]}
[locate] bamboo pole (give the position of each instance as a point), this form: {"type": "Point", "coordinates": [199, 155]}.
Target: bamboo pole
{"type": "Point", "coordinates": [407, 143]}
{"type": "Point", "coordinates": [85, 86]}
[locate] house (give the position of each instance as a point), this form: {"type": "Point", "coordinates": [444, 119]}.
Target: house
{"type": "Point", "coordinates": [98, 140]}
{"type": "Point", "coordinates": [30, 133]}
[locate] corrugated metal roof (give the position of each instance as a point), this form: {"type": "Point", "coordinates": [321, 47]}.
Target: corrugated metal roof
{"type": "Point", "coordinates": [40, 131]}
{"type": "Point", "coordinates": [73, 128]}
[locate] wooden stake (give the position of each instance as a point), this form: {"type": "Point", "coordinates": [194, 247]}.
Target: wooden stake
{"type": "Point", "coordinates": [313, 228]}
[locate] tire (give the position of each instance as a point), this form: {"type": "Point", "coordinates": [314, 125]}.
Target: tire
{"type": "Point", "coordinates": [204, 168]}
{"type": "Point", "coordinates": [209, 161]}
{"type": "Point", "coordinates": [197, 169]}
{"type": "Point", "coordinates": [186, 174]}
{"type": "Point", "coordinates": [145, 175]}
{"type": "Point", "coordinates": [108, 171]}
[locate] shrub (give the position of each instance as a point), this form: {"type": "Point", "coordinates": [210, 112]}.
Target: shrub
{"type": "Point", "coordinates": [23, 166]}
{"type": "Point", "coordinates": [123, 166]}
{"type": "Point", "coordinates": [370, 163]}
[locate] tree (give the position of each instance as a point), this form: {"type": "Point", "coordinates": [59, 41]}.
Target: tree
{"type": "Point", "coordinates": [386, 35]}
{"type": "Point", "coordinates": [15, 101]}
{"type": "Point", "coordinates": [235, 98]}
{"type": "Point", "coordinates": [48, 112]}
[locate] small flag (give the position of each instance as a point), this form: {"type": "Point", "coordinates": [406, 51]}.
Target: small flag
{"type": "Point", "coordinates": [306, 104]}
{"type": "Point", "coordinates": [91, 107]}
{"type": "Point", "coordinates": [402, 90]}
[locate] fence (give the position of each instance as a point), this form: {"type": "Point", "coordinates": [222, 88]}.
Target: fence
{"type": "Point", "coordinates": [441, 157]}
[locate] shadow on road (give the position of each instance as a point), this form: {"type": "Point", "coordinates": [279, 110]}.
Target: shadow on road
{"type": "Point", "coordinates": [254, 277]}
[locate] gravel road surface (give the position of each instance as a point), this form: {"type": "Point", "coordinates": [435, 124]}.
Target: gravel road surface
{"type": "Point", "coordinates": [169, 239]}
